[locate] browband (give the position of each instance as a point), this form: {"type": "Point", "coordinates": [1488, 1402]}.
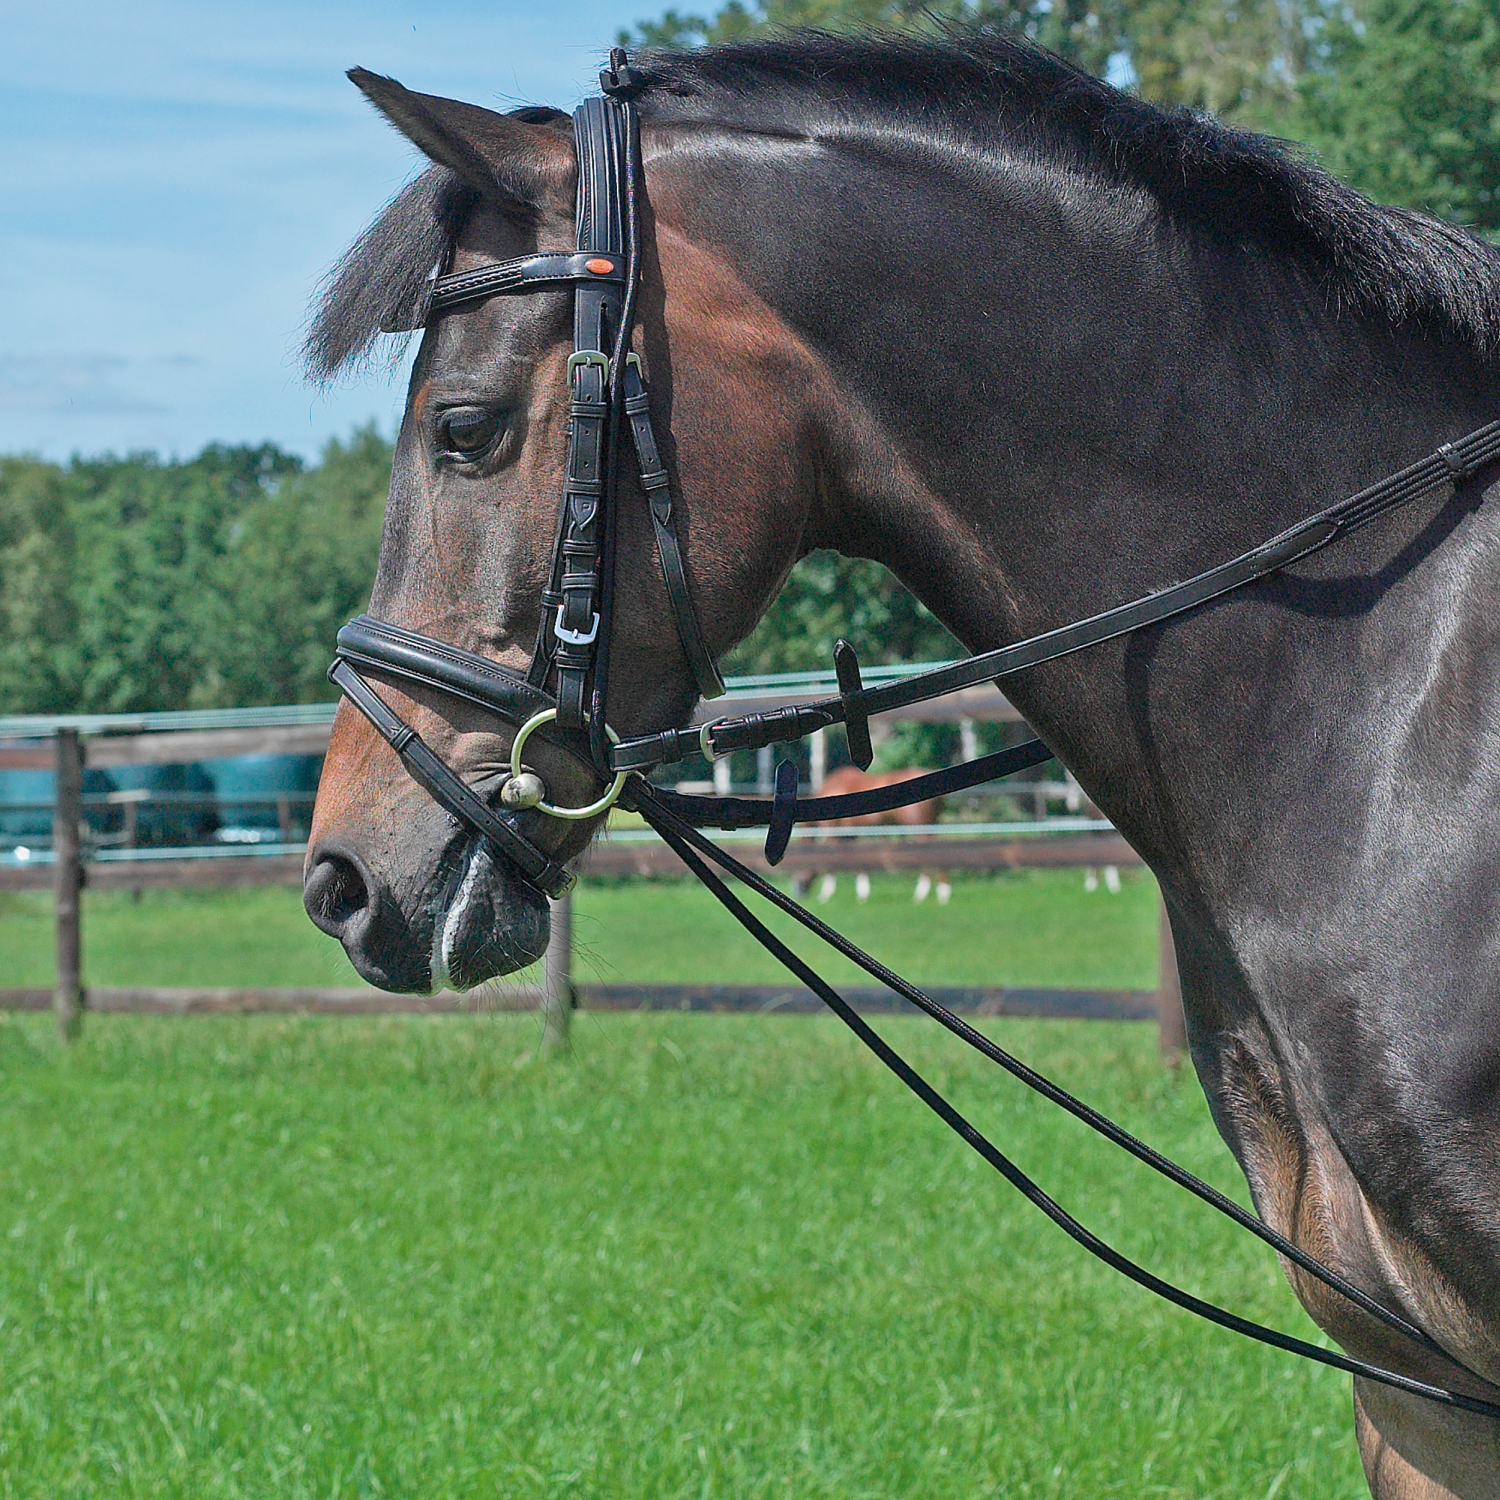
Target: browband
{"type": "Point", "coordinates": [526, 273]}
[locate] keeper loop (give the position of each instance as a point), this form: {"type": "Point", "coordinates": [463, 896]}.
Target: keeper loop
{"type": "Point", "coordinates": [783, 811]}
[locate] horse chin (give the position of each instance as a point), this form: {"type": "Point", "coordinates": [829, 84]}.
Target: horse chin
{"type": "Point", "coordinates": [492, 924]}
{"type": "Point", "coordinates": [464, 918]}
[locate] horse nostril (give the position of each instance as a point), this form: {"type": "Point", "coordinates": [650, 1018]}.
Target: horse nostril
{"type": "Point", "coordinates": [336, 892]}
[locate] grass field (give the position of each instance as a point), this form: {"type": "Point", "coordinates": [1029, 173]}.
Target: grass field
{"type": "Point", "coordinates": [705, 1256]}
{"type": "Point", "coordinates": [1033, 927]}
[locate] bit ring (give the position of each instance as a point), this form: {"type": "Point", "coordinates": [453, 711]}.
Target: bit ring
{"type": "Point", "coordinates": [594, 808]}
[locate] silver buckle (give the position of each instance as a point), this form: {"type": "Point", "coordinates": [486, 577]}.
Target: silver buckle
{"type": "Point", "coordinates": [588, 357]}
{"type": "Point", "coordinates": [593, 357]}
{"type": "Point", "coordinates": [574, 637]}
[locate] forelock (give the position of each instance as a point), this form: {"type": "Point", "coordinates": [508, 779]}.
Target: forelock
{"type": "Point", "coordinates": [383, 280]}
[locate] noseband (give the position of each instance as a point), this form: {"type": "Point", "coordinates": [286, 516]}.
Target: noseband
{"type": "Point", "coordinates": [564, 691]}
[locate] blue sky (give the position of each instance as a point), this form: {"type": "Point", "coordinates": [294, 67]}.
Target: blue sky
{"type": "Point", "coordinates": [175, 179]}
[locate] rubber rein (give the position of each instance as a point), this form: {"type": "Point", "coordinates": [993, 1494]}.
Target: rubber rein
{"type": "Point", "coordinates": [563, 693]}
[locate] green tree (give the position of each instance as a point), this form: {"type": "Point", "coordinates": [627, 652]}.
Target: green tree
{"type": "Point", "coordinates": [1239, 59]}
{"type": "Point", "coordinates": [1403, 100]}
{"type": "Point", "coordinates": [38, 620]}
{"type": "Point", "coordinates": [298, 562]}
{"type": "Point", "coordinates": [148, 536]}
{"type": "Point", "coordinates": [828, 596]}
{"type": "Point", "coordinates": [135, 584]}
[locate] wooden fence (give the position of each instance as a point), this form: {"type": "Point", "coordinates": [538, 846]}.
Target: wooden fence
{"type": "Point", "coordinates": [560, 992]}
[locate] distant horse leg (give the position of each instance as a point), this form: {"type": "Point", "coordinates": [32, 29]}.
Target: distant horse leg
{"type": "Point", "coordinates": [800, 884]}
{"type": "Point", "coordinates": [924, 888]}
{"type": "Point", "coordinates": [944, 888]}
{"type": "Point", "coordinates": [1112, 879]}
{"type": "Point", "coordinates": [862, 886]}
{"type": "Point", "coordinates": [1091, 879]}
{"type": "Point", "coordinates": [829, 884]}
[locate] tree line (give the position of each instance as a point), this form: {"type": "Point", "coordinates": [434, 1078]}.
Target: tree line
{"type": "Point", "coordinates": [131, 584]}
{"type": "Point", "coordinates": [136, 584]}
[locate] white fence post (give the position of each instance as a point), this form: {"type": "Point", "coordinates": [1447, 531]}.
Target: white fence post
{"type": "Point", "coordinates": [557, 978]}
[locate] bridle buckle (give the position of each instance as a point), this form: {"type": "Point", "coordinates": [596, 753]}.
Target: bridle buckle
{"type": "Point", "coordinates": [574, 637]}
{"type": "Point", "coordinates": [581, 358]}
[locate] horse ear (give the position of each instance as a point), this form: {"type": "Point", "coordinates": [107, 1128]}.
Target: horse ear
{"type": "Point", "coordinates": [510, 164]}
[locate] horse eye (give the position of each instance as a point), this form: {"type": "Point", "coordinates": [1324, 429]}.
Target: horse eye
{"type": "Point", "coordinates": [468, 430]}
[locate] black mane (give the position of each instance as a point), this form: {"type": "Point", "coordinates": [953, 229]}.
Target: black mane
{"type": "Point", "coordinates": [1001, 94]}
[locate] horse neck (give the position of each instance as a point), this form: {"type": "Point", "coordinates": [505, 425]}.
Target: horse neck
{"type": "Point", "coordinates": [1052, 406]}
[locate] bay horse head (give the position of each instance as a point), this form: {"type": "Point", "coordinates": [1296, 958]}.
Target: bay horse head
{"type": "Point", "coordinates": [468, 550]}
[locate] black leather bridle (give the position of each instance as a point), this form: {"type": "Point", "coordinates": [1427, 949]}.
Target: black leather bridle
{"type": "Point", "coordinates": [607, 394]}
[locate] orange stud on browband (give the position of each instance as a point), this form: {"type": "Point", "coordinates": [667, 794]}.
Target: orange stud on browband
{"type": "Point", "coordinates": [599, 266]}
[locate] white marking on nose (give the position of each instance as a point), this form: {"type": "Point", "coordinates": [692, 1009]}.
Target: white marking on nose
{"type": "Point", "coordinates": [445, 938]}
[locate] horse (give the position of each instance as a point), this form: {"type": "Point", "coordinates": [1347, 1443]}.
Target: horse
{"type": "Point", "coordinates": [845, 779]}
{"type": "Point", "coordinates": [1040, 347]}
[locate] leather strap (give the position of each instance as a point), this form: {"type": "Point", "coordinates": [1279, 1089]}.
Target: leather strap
{"type": "Point", "coordinates": [430, 772]}
{"type": "Point", "coordinates": [1450, 464]}
{"type": "Point", "coordinates": [390, 650]}
{"type": "Point", "coordinates": [573, 600]}
{"type": "Point", "coordinates": [783, 812]}
{"type": "Point", "coordinates": [508, 278]}
{"type": "Point", "coordinates": [756, 812]}
{"type": "Point", "coordinates": [694, 850]}
{"type": "Point", "coordinates": [658, 487]}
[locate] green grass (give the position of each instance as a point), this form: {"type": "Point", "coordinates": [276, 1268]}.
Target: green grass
{"type": "Point", "coordinates": [706, 1256]}
{"type": "Point", "coordinates": [1034, 927]}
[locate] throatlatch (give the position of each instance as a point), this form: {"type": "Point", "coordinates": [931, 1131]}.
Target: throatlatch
{"type": "Point", "coordinates": [565, 690]}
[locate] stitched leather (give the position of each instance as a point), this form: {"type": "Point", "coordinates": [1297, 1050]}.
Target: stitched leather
{"type": "Point", "coordinates": [1448, 465]}
{"type": "Point", "coordinates": [476, 679]}
{"type": "Point", "coordinates": [430, 772]}
{"type": "Point", "coordinates": [692, 848]}
{"type": "Point", "coordinates": [508, 278]}
{"type": "Point", "coordinates": [596, 313]}
{"type": "Point", "coordinates": [756, 812]}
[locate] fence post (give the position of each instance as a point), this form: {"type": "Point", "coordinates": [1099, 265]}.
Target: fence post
{"type": "Point", "coordinates": [724, 776]}
{"type": "Point", "coordinates": [67, 815]}
{"type": "Point", "coordinates": [968, 740]}
{"type": "Point", "coordinates": [557, 978]}
{"type": "Point", "coordinates": [1171, 1025]}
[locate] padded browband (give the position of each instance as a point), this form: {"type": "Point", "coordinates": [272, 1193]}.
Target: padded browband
{"type": "Point", "coordinates": [527, 273]}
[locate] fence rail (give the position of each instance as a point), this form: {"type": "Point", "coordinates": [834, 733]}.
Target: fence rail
{"type": "Point", "coordinates": [760, 999]}
{"type": "Point", "coordinates": [118, 740]}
